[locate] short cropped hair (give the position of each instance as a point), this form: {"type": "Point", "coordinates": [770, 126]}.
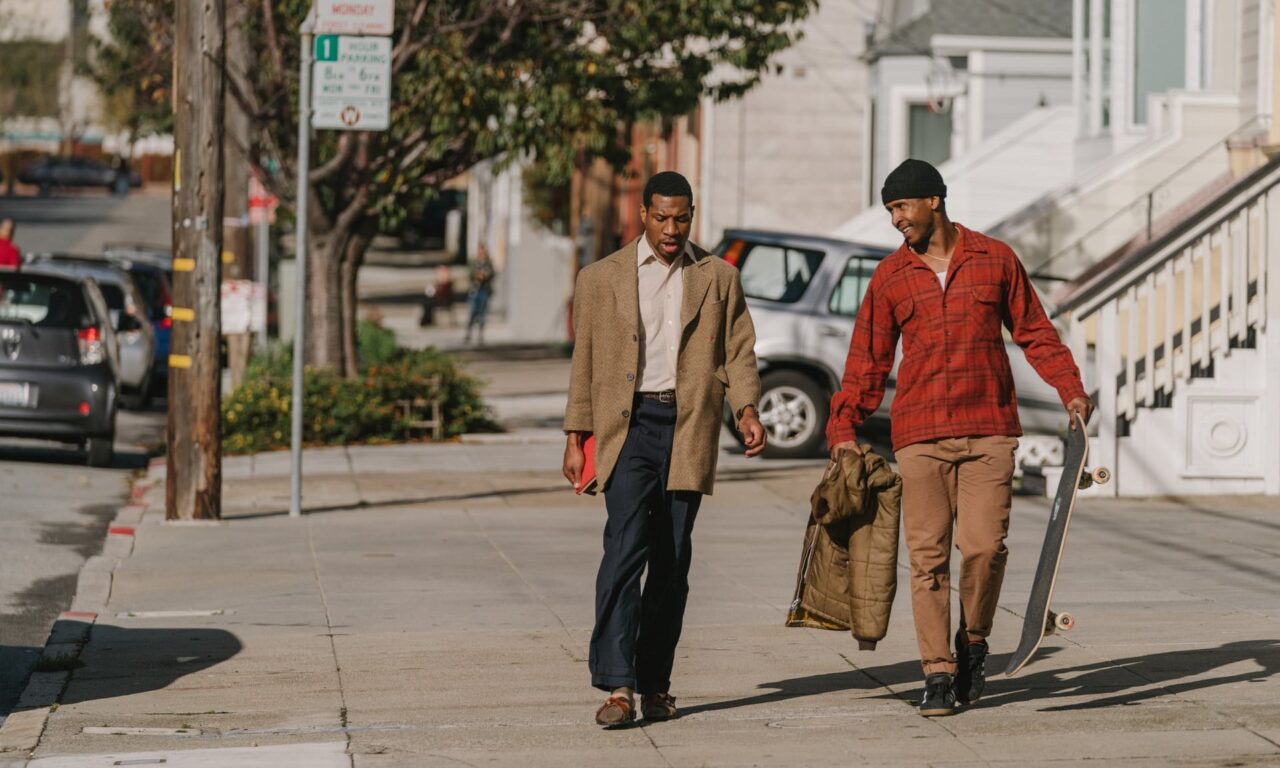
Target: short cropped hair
{"type": "Point", "coordinates": [667, 184]}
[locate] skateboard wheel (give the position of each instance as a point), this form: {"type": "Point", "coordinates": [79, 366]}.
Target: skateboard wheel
{"type": "Point", "coordinates": [1101, 475]}
{"type": "Point", "coordinates": [1064, 622]}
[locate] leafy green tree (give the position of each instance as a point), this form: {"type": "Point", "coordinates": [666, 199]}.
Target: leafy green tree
{"type": "Point", "coordinates": [132, 66]}
{"type": "Point", "coordinates": [481, 79]}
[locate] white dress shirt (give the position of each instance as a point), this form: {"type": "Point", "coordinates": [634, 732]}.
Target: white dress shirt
{"type": "Point", "coordinates": [661, 289]}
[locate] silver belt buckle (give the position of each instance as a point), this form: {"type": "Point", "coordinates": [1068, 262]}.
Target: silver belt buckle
{"type": "Point", "coordinates": [667, 396]}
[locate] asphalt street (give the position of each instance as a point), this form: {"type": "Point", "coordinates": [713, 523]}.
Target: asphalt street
{"type": "Point", "coordinates": [54, 508]}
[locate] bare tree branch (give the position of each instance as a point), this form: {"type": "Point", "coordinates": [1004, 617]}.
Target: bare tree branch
{"type": "Point", "coordinates": [346, 151]}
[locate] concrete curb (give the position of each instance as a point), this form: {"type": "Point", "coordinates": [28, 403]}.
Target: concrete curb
{"type": "Point", "coordinates": [23, 728]}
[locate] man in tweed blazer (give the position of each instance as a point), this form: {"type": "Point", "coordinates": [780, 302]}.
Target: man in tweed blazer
{"type": "Point", "coordinates": [662, 338]}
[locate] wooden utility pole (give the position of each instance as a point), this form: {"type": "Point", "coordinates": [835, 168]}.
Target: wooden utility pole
{"type": "Point", "coordinates": [194, 468]}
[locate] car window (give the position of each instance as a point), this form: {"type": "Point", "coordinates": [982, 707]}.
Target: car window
{"type": "Point", "coordinates": [42, 301]}
{"type": "Point", "coordinates": [152, 290]}
{"type": "Point", "coordinates": [113, 294]}
{"type": "Point", "coordinates": [777, 273]}
{"type": "Point", "coordinates": [847, 295]}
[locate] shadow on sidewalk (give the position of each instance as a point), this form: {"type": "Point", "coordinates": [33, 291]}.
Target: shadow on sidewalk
{"type": "Point", "coordinates": [1170, 671]}
{"type": "Point", "coordinates": [70, 455]}
{"type": "Point", "coordinates": [121, 661]}
{"type": "Point", "coordinates": [1120, 682]}
{"type": "Point", "coordinates": [401, 502]}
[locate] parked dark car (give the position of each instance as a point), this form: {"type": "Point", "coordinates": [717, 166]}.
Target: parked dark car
{"type": "Point", "coordinates": [58, 366]}
{"type": "Point", "coordinates": [62, 172]}
{"type": "Point", "coordinates": [130, 318]}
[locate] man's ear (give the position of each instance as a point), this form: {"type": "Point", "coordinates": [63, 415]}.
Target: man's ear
{"type": "Point", "coordinates": [934, 203]}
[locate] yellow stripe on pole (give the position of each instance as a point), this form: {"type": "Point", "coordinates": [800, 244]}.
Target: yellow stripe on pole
{"type": "Point", "coordinates": [184, 265]}
{"type": "Point", "coordinates": [184, 314]}
{"type": "Point", "coordinates": [179, 361]}
{"type": "Point", "coordinates": [228, 257]}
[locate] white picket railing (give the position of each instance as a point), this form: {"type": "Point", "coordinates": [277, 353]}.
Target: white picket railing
{"type": "Point", "coordinates": [1190, 298]}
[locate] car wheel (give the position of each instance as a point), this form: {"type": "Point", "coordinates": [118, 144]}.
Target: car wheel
{"type": "Point", "coordinates": [139, 399]}
{"type": "Point", "coordinates": [44, 189]}
{"type": "Point", "coordinates": [793, 409]}
{"type": "Point", "coordinates": [101, 450]}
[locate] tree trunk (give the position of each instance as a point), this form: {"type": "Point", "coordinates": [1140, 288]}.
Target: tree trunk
{"type": "Point", "coordinates": [324, 302]}
{"type": "Point", "coordinates": [353, 257]}
{"type": "Point", "coordinates": [335, 256]}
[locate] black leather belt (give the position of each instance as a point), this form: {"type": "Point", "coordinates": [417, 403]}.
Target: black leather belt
{"type": "Point", "coordinates": [666, 396]}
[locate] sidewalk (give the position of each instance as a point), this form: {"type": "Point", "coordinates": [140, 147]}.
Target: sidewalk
{"type": "Point", "coordinates": [434, 607]}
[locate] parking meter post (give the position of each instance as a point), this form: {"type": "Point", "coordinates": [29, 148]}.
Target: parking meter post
{"type": "Point", "coordinates": [300, 247]}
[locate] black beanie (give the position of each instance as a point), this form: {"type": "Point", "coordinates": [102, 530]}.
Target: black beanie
{"type": "Point", "coordinates": [914, 178]}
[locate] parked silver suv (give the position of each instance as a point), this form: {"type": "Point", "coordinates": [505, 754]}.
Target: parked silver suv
{"type": "Point", "coordinates": [804, 294]}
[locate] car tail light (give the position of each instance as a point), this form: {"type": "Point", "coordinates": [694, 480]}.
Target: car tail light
{"type": "Point", "coordinates": [84, 408]}
{"type": "Point", "coordinates": [92, 350]}
{"type": "Point", "coordinates": [733, 254]}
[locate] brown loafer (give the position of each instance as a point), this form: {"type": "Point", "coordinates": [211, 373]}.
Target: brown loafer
{"type": "Point", "coordinates": [659, 706]}
{"type": "Point", "coordinates": [616, 711]}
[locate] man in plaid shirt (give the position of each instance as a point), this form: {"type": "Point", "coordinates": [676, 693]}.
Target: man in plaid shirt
{"type": "Point", "coordinates": [946, 292]}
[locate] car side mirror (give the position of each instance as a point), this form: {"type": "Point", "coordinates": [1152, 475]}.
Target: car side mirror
{"type": "Point", "coordinates": [128, 323]}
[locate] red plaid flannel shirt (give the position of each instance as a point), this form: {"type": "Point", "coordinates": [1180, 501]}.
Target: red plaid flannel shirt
{"type": "Point", "coordinates": [954, 380]}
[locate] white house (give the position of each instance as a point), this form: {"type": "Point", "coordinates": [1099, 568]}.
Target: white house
{"type": "Point", "coordinates": [790, 154]}
{"type": "Point", "coordinates": [969, 86]}
{"type": "Point", "coordinates": [79, 103]}
{"type": "Point", "coordinates": [1169, 240]}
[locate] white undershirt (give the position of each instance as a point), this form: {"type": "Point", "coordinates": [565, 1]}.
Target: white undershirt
{"type": "Point", "coordinates": [942, 278]}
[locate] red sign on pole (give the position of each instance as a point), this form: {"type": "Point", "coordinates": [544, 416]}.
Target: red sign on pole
{"type": "Point", "coordinates": [262, 204]}
{"type": "Point", "coordinates": [355, 17]}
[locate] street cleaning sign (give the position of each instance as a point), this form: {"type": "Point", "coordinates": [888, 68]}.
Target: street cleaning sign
{"type": "Point", "coordinates": [352, 90]}
{"type": "Point", "coordinates": [354, 17]}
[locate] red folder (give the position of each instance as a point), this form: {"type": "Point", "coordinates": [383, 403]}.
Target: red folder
{"type": "Point", "coordinates": [587, 482]}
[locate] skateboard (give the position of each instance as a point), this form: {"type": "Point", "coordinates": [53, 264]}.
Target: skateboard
{"type": "Point", "coordinates": [1040, 621]}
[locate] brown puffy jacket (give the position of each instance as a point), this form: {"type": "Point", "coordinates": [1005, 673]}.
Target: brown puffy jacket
{"type": "Point", "coordinates": [849, 564]}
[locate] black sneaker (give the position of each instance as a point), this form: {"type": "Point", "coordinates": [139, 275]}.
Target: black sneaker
{"type": "Point", "coordinates": [971, 669]}
{"type": "Point", "coordinates": [939, 696]}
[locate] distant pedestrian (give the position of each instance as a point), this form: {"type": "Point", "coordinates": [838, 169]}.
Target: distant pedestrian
{"type": "Point", "coordinates": [662, 336]}
{"type": "Point", "coordinates": [10, 257]}
{"type": "Point", "coordinates": [437, 298]}
{"type": "Point", "coordinates": [482, 276]}
{"type": "Point", "coordinates": [945, 293]}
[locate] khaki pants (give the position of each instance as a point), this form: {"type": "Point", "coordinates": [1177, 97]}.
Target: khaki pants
{"type": "Point", "coordinates": [967, 480]}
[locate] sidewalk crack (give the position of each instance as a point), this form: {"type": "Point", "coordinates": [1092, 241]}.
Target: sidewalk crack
{"type": "Point", "coordinates": [333, 645]}
{"type": "Point", "coordinates": [528, 584]}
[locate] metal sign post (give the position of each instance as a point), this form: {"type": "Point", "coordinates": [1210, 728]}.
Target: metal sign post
{"type": "Point", "coordinates": [300, 261]}
{"type": "Point", "coordinates": [357, 81]}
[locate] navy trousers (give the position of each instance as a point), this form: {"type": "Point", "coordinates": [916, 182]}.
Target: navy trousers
{"type": "Point", "coordinates": [634, 640]}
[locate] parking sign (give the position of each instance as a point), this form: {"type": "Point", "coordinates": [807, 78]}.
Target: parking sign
{"type": "Point", "coordinates": [352, 89]}
{"type": "Point", "coordinates": [354, 17]}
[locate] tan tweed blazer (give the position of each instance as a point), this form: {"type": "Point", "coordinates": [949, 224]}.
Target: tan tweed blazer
{"type": "Point", "coordinates": [716, 360]}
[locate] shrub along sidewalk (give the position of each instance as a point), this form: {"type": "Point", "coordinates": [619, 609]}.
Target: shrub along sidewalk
{"type": "Point", "coordinates": [340, 411]}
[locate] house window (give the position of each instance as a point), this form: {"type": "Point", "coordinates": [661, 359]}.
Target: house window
{"type": "Point", "coordinates": [928, 134]}
{"type": "Point", "coordinates": [1159, 51]}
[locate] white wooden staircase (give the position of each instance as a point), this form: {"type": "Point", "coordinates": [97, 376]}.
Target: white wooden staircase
{"type": "Point", "coordinates": [1185, 337]}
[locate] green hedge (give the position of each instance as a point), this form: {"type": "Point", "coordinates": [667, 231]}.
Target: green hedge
{"type": "Point", "coordinates": [338, 411]}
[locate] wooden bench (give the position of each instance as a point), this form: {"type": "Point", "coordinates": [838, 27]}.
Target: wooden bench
{"type": "Point", "coordinates": [424, 413]}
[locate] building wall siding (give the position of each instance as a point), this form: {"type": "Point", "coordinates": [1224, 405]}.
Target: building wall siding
{"type": "Point", "coordinates": [789, 155]}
